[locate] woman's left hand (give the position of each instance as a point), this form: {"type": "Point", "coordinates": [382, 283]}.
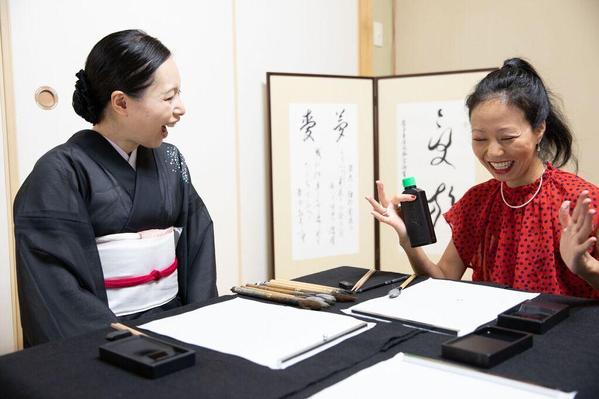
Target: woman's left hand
{"type": "Point", "coordinates": [576, 237]}
{"type": "Point", "coordinates": [388, 211]}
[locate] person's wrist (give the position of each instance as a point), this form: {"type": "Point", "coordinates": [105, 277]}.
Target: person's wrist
{"type": "Point", "coordinates": [404, 242]}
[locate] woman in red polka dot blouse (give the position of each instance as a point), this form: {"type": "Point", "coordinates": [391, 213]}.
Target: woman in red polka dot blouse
{"type": "Point", "coordinates": [516, 229]}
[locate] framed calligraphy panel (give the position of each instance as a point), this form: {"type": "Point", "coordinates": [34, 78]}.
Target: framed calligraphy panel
{"type": "Point", "coordinates": [424, 132]}
{"type": "Point", "coordinates": [322, 166]}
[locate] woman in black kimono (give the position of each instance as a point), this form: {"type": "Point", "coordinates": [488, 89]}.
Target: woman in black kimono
{"type": "Point", "coordinates": [108, 226]}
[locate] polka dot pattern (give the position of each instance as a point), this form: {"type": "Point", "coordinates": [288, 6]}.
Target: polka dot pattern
{"type": "Point", "coordinates": [520, 247]}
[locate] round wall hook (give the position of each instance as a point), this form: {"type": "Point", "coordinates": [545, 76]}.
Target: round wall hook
{"type": "Point", "coordinates": [46, 97]}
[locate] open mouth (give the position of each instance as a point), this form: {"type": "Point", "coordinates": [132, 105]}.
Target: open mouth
{"type": "Point", "coordinates": [165, 127]}
{"type": "Point", "coordinates": [502, 167]}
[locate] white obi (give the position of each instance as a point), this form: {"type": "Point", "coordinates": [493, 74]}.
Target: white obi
{"type": "Point", "coordinates": [140, 269]}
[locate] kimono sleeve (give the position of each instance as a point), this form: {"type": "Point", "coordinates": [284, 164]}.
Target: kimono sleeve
{"type": "Point", "coordinates": [195, 250]}
{"type": "Point", "coordinates": [59, 276]}
{"type": "Point", "coordinates": [201, 279]}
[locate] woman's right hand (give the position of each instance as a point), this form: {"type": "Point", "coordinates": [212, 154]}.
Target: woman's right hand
{"type": "Point", "coordinates": [388, 211]}
{"type": "Point", "coordinates": [577, 240]}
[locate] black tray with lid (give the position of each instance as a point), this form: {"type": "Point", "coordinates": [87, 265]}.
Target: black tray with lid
{"type": "Point", "coordinates": [147, 356]}
{"type": "Point", "coordinates": [535, 316]}
{"type": "Point", "coordinates": [487, 346]}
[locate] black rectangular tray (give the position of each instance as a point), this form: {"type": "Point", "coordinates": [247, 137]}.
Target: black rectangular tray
{"type": "Point", "coordinates": [487, 346]}
{"type": "Point", "coordinates": [533, 316]}
{"type": "Point", "coordinates": [146, 356]}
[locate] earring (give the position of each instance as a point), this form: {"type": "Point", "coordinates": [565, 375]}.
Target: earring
{"type": "Point", "coordinates": [539, 147]}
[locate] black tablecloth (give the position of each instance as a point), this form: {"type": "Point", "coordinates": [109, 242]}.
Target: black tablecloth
{"type": "Point", "coordinates": [566, 357]}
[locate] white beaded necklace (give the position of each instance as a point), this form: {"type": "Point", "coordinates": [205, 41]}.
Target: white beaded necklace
{"type": "Point", "coordinates": [527, 202]}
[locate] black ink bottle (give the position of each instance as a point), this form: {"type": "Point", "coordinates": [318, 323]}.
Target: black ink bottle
{"type": "Point", "coordinates": [417, 216]}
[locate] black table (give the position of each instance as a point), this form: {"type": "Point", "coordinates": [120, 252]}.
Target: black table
{"type": "Point", "coordinates": [565, 358]}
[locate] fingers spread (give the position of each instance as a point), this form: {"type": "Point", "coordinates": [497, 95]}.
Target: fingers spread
{"type": "Point", "coordinates": [592, 241]}
{"type": "Point", "coordinates": [380, 217]}
{"type": "Point", "coordinates": [577, 211]}
{"type": "Point", "coordinates": [586, 226]}
{"type": "Point", "coordinates": [586, 245]}
{"type": "Point", "coordinates": [582, 214]}
{"type": "Point", "coordinates": [376, 206]}
{"type": "Point", "coordinates": [380, 189]}
{"type": "Point", "coordinates": [564, 214]}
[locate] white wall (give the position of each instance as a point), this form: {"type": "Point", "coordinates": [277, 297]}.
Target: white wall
{"type": "Point", "coordinates": [199, 34]}
{"type": "Point", "coordinates": [300, 36]}
{"type": "Point", "coordinates": [223, 50]}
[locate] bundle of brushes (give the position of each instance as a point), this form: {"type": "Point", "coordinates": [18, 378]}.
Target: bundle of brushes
{"type": "Point", "coordinates": [303, 295]}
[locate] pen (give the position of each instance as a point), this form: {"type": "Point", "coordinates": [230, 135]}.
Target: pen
{"type": "Point", "coordinates": [384, 283]}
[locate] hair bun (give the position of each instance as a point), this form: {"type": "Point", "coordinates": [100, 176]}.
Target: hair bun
{"type": "Point", "coordinates": [83, 100]}
{"type": "Point", "coordinates": [521, 65]}
{"type": "Point", "coordinates": [513, 63]}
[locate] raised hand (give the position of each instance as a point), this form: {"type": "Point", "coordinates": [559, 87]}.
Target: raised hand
{"type": "Point", "coordinates": [576, 237]}
{"type": "Point", "coordinates": [388, 210]}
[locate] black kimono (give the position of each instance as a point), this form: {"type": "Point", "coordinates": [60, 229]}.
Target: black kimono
{"type": "Point", "coordinates": [84, 189]}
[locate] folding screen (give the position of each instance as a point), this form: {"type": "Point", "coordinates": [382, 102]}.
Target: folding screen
{"type": "Point", "coordinates": [333, 136]}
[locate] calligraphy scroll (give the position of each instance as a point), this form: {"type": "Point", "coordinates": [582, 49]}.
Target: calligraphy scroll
{"type": "Point", "coordinates": [424, 132]}
{"type": "Point", "coordinates": [434, 146]}
{"type": "Point", "coordinates": [324, 159]}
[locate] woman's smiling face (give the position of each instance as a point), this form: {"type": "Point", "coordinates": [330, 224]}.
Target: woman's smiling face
{"type": "Point", "coordinates": [160, 107]}
{"type": "Point", "coordinates": [505, 143]}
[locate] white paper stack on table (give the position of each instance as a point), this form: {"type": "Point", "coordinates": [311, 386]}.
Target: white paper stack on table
{"type": "Point", "coordinates": [275, 336]}
{"type": "Point", "coordinates": [447, 306]}
{"type": "Point", "coordinates": [416, 374]}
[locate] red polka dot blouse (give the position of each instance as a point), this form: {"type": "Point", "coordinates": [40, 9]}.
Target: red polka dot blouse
{"type": "Point", "coordinates": [520, 247]}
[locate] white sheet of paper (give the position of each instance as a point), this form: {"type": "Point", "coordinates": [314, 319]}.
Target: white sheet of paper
{"type": "Point", "coordinates": [271, 335]}
{"type": "Point", "coordinates": [410, 377]}
{"type": "Point", "coordinates": [447, 304]}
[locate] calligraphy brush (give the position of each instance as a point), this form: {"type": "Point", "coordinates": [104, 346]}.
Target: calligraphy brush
{"type": "Point", "coordinates": [315, 287]}
{"type": "Point", "coordinates": [278, 297]}
{"type": "Point", "coordinates": [394, 293]}
{"type": "Point", "coordinates": [340, 295]}
{"type": "Point", "coordinates": [362, 280]}
{"type": "Point", "coordinates": [301, 295]}
{"type": "Point", "coordinates": [329, 299]}
{"type": "Point", "coordinates": [122, 327]}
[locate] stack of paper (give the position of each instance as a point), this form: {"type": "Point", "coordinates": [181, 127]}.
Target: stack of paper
{"type": "Point", "coordinates": [416, 374]}
{"type": "Point", "coordinates": [445, 305]}
{"type": "Point", "coordinates": [271, 335]}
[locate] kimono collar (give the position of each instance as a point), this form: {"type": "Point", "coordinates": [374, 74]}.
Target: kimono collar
{"type": "Point", "coordinates": [130, 158]}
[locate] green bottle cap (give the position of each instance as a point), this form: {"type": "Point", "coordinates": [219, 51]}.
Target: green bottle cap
{"type": "Point", "coordinates": [409, 181]}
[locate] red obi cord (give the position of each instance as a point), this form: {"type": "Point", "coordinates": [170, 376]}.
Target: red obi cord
{"type": "Point", "coordinates": [154, 275]}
